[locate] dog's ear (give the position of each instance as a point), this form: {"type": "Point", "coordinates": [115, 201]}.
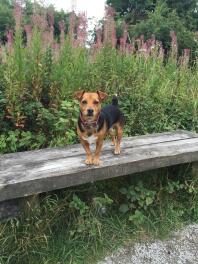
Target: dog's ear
{"type": "Point", "coordinates": [102, 95]}
{"type": "Point", "coordinates": [78, 95]}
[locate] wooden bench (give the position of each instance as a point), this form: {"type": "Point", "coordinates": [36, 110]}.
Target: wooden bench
{"type": "Point", "coordinates": [24, 174]}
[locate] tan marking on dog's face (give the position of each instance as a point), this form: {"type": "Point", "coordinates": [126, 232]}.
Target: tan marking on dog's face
{"type": "Point", "coordinates": [90, 103]}
{"type": "Point", "coordinates": [90, 106]}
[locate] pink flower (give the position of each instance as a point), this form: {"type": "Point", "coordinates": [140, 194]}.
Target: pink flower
{"type": "Point", "coordinates": [123, 39]}
{"type": "Point", "coordinates": [10, 40]}
{"type": "Point", "coordinates": [184, 59]}
{"type": "Point", "coordinates": [153, 40]}
{"type": "Point", "coordinates": [62, 32]}
{"type": "Point", "coordinates": [51, 34]}
{"type": "Point", "coordinates": [129, 48]}
{"type": "Point", "coordinates": [96, 47]}
{"type": "Point", "coordinates": [51, 19]}
{"type": "Point", "coordinates": [113, 36]}
{"type": "Point", "coordinates": [99, 38]}
{"type": "Point", "coordinates": [174, 47]}
{"type": "Point", "coordinates": [109, 27]}
{"type": "Point", "coordinates": [56, 49]}
{"type": "Point", "coordinates": [161, 52]}
{"type": "Point", "coordinates": [145, 49]}
{"type": "Point", "coordinates": [82, 29]}
{"type": "Point", "coordinates": [122, 46]}
{"type": "Point", "coordinates": [75, 43]}
{"type": "Point", "coordinates": [17, 15]}
{"type": "Point", "coordinates": [142, 40]}
{"type": "Point", "coordinates": [173, 37]}
{"type": "Point", "coordinates": [39, 22]}
{"type": "Point", "coordinates": [186, 53]}
{"type": "Point", "coordinates": [72, 22]}
{"type": "Point", "coordinates": [28, 31]}
{"type": "Point", "coordinates": [109, 11]}
{"type": "Point", "coordinates": [47, 39]}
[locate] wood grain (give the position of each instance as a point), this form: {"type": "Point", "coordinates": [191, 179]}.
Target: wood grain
{"type": "Point", "coordinates": [26, 173]}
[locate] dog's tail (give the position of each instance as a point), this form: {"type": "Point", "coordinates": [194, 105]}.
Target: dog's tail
{"type": "Point", "coordinates": [115, 100]}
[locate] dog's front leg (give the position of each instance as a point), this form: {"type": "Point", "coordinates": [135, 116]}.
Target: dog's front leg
{"type": "Point", "coordinates": [99, 143]}
{"type": "Point", "coordinates": [89, 159]}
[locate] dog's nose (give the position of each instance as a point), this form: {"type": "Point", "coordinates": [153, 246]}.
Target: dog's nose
{"type": "Point", "coordinates": [90, 112]}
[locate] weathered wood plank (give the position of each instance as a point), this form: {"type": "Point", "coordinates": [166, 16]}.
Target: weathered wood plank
{"type": "Point", "coordinates": [68, 162]}
{"type": "Point", "coordinates": [74, 150]}
{"type": "Point", "coordinates": [26, 178]}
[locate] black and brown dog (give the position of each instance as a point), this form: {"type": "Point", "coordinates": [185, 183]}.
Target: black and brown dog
{"type": "Point", "coordinates": [95, 123]}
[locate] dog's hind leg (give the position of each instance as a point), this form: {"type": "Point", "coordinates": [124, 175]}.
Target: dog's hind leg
{"type": "Point", "coordinates": [119, 133]}
{"type": "Point", "coordinates": [112, 135]}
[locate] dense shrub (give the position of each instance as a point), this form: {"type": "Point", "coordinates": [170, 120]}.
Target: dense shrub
{"type": "Point", "coordinates": [40, 75]}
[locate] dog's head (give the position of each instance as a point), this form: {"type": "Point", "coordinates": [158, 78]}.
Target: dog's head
{"type": "Point", "coordinates": [90, 103]}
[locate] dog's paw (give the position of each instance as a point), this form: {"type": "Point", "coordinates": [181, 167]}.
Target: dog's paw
{"type": "Point", "coordinates": [117, 151]}
{"type": "Point", "coordinates": [96, 161]}
{"type": "Point", "coordinates": [89, 161]}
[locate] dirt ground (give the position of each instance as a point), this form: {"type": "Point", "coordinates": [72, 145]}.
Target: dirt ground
{"type": "Point", "coordinates": [181, 248]}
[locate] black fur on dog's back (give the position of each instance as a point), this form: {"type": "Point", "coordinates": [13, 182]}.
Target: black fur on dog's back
{"type": "Point", "coordinates": [111, 114]}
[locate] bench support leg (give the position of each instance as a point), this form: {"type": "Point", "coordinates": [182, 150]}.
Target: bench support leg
{"type": "Point", "coordinates": [9, 209]}
{"type": "Point", "coordinates": [29, 204]}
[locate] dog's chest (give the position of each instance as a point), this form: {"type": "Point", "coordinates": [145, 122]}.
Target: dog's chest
{"type": "Point", "coordinates": [91, 139]}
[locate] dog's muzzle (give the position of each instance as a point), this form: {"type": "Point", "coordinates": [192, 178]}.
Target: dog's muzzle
{"type": "Point", "coordinates": [90, 112]}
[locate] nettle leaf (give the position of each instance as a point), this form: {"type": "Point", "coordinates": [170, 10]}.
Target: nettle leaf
{"type": "Point", "coordinates": [149, 201]}
{"type": "Point", "coordinates": [124, 208]}
{"type": "Point", "coordinates": [142, 196]}
{"type": "Point", "coordinates": [133, 199]}
{"type": "Point", "coordinates": [123, 190]}
{"type": "Point", "coordinates": [141, 203]}
{"type": "Point", "coordinates": [132, 193]}
{"type": "Point", "coordinates": [132, 205]}
{"type": "Point", "coordinates": [138, 217]}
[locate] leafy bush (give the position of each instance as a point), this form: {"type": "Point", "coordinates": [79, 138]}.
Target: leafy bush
{"type": "Point", "coordinates": [40, 76]}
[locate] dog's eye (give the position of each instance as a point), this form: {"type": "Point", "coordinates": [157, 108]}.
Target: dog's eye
{"type": "Point", "coordinates": [84, 102]}
{"type": "Point", "coordinates": [96, 102]}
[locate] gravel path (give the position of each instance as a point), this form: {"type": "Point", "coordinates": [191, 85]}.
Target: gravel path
{"type": "Point", "coordinates": [181, 248]}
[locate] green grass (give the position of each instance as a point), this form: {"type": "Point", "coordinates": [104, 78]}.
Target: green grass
{"type": "Point", "coordinates": [81, 225]}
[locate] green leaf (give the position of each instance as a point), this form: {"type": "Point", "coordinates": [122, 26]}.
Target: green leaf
{"type": "Point", "coordinates": [123, 191]}
{"type": "Point", "coordinates": [149, 201]}
{"type": "Point", "coordinates": [124, 208]}
{"type": "Point", "coordinates": [137, 218]}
